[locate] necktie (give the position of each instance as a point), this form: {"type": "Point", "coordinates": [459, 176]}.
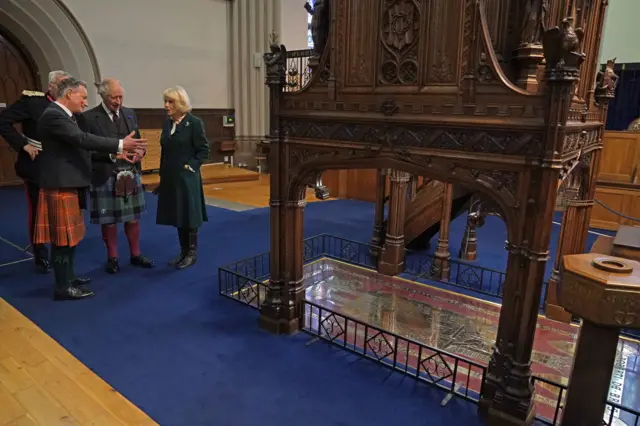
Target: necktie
{"type": "Point", "coordinates": [114, 116]}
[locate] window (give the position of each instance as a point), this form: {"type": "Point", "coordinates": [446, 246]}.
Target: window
{"type": "Point", "coordinates": [309, 38]}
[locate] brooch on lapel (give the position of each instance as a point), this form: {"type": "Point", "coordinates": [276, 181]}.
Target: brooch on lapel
{"type": "Point", "coordinates": [187, 124]}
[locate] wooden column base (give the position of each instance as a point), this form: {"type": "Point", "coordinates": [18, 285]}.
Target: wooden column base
{"type": "Point", "coordinates": [591, 375]}
{"type": "Point", "coordinates": [279, 326]}
{"type": "Point", "coordinates": [494, 417]}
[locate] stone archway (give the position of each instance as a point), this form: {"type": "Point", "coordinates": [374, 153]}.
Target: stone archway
{"type": "Point", "coordinates": [54, 38]}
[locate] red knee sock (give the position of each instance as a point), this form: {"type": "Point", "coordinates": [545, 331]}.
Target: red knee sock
{"type": "Point", "coordinates": [110, 238]}
{"type": "Point", "coordinates": [132, 229]}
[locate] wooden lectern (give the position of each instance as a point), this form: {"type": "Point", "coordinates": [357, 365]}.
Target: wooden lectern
{"type": "Point", "coordinates": [604, 291]}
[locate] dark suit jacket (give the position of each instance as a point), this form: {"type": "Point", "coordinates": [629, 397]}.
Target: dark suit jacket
{"type": "Point", "coordinates": [96, 121]}
{"type": "Point", "coordinates": [66, 150]}
{"type": "Point", "coordinates": [26, 111]}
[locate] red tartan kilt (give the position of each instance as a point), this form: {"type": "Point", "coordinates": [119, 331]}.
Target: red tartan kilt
{"type": "Point", "coordinates": [59, 220]}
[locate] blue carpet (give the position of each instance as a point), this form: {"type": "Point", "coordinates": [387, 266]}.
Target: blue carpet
{"type": "Point", "coordinates": [185, 356]}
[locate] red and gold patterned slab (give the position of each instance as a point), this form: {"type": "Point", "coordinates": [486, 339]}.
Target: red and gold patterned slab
{"type": "Point", "coordinates": [452, 322]}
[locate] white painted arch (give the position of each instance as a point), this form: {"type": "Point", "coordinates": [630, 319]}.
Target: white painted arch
{"type": "Point", "coordinates": [53, 37]}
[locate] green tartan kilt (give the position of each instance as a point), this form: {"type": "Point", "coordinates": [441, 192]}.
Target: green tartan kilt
{"type": "Point", "coordinates": [107, 208]}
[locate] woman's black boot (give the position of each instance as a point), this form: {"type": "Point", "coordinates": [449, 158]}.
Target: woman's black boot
{"type": "Point", "coordinates": [183, 235]}
{"type": "Point", "coordinates": [190, 257]}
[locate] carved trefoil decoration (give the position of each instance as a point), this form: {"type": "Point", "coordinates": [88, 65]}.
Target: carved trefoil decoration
{"type": "Point", "coordinates": [400, 33]}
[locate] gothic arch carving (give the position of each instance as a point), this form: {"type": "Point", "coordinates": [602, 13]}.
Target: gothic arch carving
{"type": "Point", "coordinates": [53, 36]}
{"type": "Point", "coordinates": [501, 187]}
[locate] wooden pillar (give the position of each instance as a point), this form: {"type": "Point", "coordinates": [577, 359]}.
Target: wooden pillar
{"type": "Point", "coordinates": [469, 244]}
{"type": "Point", "coordinates": [568, 233]}
{"type": "Point", "coordinates": [392, 259]}
{"type": "Point", "coordinates": [378, 226]}
{"type": "Point", "coordinates": [443, 255]}
{"type": "Point", "coordinates": [508, 395]}
{"type": "Point", "coordinates": [281, 310]}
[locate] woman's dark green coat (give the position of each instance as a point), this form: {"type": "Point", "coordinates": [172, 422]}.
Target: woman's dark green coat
{"type": "Point", "coordinates": [180, 195]}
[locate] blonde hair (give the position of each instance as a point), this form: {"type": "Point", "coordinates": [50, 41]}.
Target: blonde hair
{"type": "Point", "coordinates": [179, 97]}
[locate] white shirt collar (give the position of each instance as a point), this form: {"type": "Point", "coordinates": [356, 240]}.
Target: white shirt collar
{"type": "Point", "coordinates": [109, 112]}
{"type": "Point", "coordinates": [69, 113]}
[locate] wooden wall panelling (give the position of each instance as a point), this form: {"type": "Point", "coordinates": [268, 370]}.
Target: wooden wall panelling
{"type": "Point", "coordinates": [154, 118]}
{"type": "Point", "coordinates": [618, 183]}
{"type": "Point", "coordinates": [151, 161]}
{"type": "Point", "coordinates": [360, 65]}
{"type": "Point", "coordinates": [623, 200]}
{"type": "Point", "coordinates": [620, 157]}
{"type": "Point", "coordinates": [445, 28]}
{"type": "Point", "coordinates": [355, 184]}
{"type": "Point", "coordinates": [17, 73]}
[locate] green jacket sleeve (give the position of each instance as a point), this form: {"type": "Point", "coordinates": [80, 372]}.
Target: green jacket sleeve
{"type": "Point", "coordinates": [200, 145]}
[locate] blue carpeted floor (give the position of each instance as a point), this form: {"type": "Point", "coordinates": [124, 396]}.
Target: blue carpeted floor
{"type": "Point", "coordinates": [170, 344]}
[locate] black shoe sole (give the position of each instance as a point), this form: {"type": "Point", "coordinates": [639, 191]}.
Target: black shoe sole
{"type": "Point", "coordinates": [62, 298]}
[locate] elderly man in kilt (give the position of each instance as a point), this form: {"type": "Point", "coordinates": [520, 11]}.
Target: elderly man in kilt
{"type": "Point", "coordinates": [65, 173]}
{"type": "Point", "coordinates": [116, 192]}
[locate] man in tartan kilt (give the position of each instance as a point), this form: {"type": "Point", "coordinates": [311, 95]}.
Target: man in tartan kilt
{"type": "Point", "coordinates": [65, 173]}
{"type": "Point", "coordinates": [116, 192]}
{"type": "Point", "coordinates": [27, 111]}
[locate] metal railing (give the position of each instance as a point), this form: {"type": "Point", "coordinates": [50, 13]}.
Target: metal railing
{"type": "Point", "coordinates": [245, 282]}
{"type": "Point", "coordinates": [298, 70]}
{"type": "Point", "coordinates": [430, 365]}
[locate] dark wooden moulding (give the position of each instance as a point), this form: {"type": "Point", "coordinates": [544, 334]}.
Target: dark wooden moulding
{"type": "Point", "coordinates": [503, 97]}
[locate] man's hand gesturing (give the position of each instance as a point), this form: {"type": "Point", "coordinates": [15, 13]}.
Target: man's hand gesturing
{"type": "Point", "coordinates": [131, 144]}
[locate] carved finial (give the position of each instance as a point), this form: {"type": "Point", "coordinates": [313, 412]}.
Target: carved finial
{"type": "Point", "coordinates": [606, 82]}
{"type": "Point", "coordinates": [274, 38]}
{"type": "Point", "coordinates": [563, 51]}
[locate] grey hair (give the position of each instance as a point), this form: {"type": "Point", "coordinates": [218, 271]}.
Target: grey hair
{"type": "Point", "coordinates": [104, 87]}
{"type": "Point", "coordinates": [55, 75]}
{"type": "Point", "coordinates": [67, 84]}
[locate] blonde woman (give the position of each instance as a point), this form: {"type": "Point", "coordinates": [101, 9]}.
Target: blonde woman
{"type": "Point", "coordinates": [180, 195]}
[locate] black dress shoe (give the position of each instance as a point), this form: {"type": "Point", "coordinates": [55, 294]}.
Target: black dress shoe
{"type": "Point", "coordinates": [177, 259]}
{"type": "Point", "coordinates": [43, 266]}
{"type": "Point", "coordinates": [81, 282]}
{"type": "Point", "coordinates": [142, 261]}
{"type": "Point", "coordinates": [72, 293]}
{"type": "Point", "coordinates": [112, 265]}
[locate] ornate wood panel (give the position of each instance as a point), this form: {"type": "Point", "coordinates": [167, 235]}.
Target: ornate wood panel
{"type": "Point", "coordinates": [481, 93]}
{"type": "Point", "coordinates": [16, 74]}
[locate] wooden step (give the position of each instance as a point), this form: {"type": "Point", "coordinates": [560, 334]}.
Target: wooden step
{"type": "Point", "coordinates": [211, 173]}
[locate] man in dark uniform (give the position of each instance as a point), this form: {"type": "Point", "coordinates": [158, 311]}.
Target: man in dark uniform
{"type": "Point", "coordinates": [116, 193]}
{"type": "Point", "coordinates": [27, 111]}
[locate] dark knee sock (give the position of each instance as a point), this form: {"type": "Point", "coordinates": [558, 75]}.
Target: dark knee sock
{"type": "Point", "coordinates": [61, 260]}
{"type": "Point", "coordinates": [132, 230]}
{"type": "Point", "coordinates": [110, 238]}
{"type": "Point", "coordinates": [72, 262]}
